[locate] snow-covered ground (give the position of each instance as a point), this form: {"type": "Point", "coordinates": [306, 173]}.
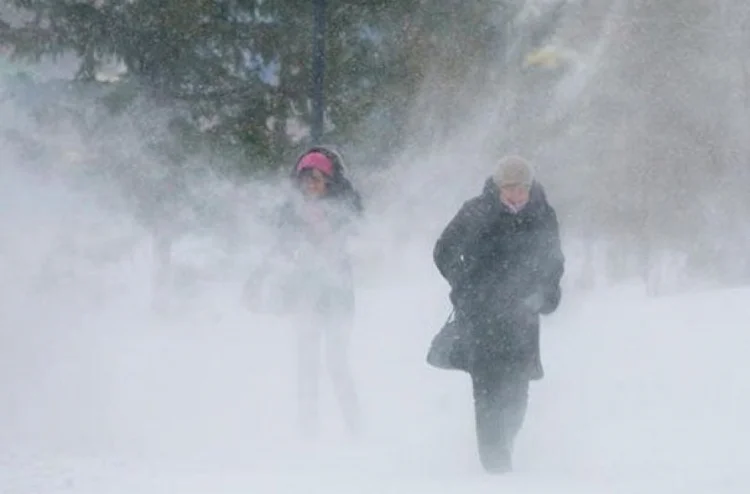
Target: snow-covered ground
{"type": "Point", "coordinates": [641, 395]}
{"type": "Point", "coordinates": [99, 394]}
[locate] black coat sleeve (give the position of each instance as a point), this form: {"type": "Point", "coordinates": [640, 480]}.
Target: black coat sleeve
{"type": "Point", "coordinates": [455, 253]}
{"type": "Point", "coordinates": [553, 262]}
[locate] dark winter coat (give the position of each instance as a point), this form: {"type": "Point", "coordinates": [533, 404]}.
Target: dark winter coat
{"type": "Point", "coordinates": [497, 262]}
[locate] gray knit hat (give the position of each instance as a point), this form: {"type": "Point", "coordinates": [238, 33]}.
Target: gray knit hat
{"type": "Point", "coordinates": [513, 170]}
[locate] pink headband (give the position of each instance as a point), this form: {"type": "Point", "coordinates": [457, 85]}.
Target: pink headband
{"type": "Point", "coordinates": [316, 161]}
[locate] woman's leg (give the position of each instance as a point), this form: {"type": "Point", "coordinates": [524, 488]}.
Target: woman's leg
{"type": "Point", "coordinates": [308, 370]}
{"type": "Point", "coordinates": [500, 401]}
{"type": "Point", "coordinates": [337, 338]}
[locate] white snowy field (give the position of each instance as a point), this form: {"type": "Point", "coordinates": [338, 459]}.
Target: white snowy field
{"type": "Point", "coordinates": [641, 395]}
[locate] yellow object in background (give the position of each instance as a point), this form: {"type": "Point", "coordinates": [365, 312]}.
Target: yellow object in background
{"type": "Point", "coordinates": [547, 57]}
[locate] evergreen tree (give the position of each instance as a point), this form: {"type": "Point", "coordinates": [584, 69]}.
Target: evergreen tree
{"type": "Point", "coordinates": [240, 70]}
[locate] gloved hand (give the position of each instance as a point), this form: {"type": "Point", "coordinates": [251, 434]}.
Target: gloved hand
{"type": "Point", "coordinates": [552, 296]}
{"type": "Point", "coordinates": [544, 301]}
{"type": "Point", "coordinates": [534, 303]}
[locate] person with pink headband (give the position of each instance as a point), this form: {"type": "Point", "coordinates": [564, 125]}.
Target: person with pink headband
{"type": "Point", "coordinates": [314, 225]}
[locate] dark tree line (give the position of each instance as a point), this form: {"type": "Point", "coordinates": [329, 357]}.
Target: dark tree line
{"type": "Point", "coordinates": [239, 70]}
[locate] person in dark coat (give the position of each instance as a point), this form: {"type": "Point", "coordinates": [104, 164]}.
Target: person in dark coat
{"type": "Point", "coordinates": [313, 227]}
{"type": "Point", "coordinates": [502, 257]}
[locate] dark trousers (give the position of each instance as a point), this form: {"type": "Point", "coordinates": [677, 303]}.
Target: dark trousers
{"type": "Point", "coordinates": [500, 402]}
